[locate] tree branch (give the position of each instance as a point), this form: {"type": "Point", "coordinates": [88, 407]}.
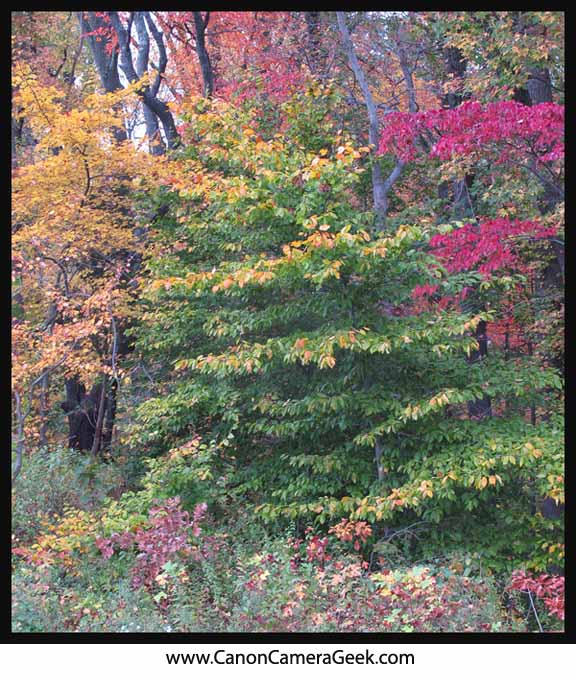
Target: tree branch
{"type": "Point", "coordinates": [380, 187]}
{"type": "Point", "coordinates": [159, 108]}
{"type": "Point", "coordinates": [203, 57]}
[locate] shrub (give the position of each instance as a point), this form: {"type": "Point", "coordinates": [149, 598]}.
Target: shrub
{"type": "Point", "coordinates": [546, 588]}
{"type": "Point", "coordinates": [54, 479]}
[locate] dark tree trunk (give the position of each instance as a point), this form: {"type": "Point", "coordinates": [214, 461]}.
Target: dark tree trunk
{"type": "Point", "coordinates": [456, 66]}
{"type": "Point", "coordinates": [480, 408]}
{"type": "Point", "coordinates": [552, 510]}
{"type": "Point", "coordinates": [201, 24]}
{"type": "Point", "coordinates": [15, 131]}
{"type": "Point", "coordinates": [110, 416]}
{"type": "Point", "coordinates": [44, 406]}
{"type": "Point", "coordinates": [155, 141]}
{"type": "Point", "coordinates": [522, 96]}
{"type": "Point", "coordinates": [82, 410]}
{"type": "Point", "coordinates": [80, 436]}
{"type": "Point", "coordinates": [539, 86]}
{"type": "Point", "coordinates": [457, 191]}
{"type": "Point", "coordinates": [101, 409]}
{"type": "Point", "coordinates": [105, 58]}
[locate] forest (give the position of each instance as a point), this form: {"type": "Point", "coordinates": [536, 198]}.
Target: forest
{"type": "Point", "coordinates": [287, 322]}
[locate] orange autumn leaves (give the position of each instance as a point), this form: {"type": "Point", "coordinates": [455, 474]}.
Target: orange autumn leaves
{"type": "Point", "coordinates": [73, 236]}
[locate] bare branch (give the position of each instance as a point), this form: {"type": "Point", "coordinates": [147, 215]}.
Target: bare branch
{"type": "Point", "coordinates": [158, 107]}
{"type": "Point", "coordinates": [162, 56]}
{"type": "Point", "coordinates": [380, 187]}
{"type": "Point", "coordinates": [143, 45]}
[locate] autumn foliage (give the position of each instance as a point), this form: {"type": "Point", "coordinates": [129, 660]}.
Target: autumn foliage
{"type": "Point", "coordinates": [287, 321]}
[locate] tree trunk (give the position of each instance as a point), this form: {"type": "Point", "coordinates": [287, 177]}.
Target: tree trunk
{"type": "Point", "coordinates": [110, 416]}
{"type": "Point", "coordinates": [99, 419]}
{"type": "Point", "coordinates": [380, 186]}
{"type": "Point", "coordinates": [455, 66]}
{"type": "Point", "coordinates": [148, 94]}
{"type": "Point", "coordinates": [155, 142]}
{"type": "Point", "coordinates": [203, 57]}
{"type": "Point", "coordinates": [82, 410]}
{"type": "Point", "coordinates": [480, 408]}
{"type": "Point", "coordinates": [539, 86]}
{"type": "Point", "coordinates": [44, 404]}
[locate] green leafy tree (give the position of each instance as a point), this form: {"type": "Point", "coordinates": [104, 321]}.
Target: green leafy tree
{"type": "Point", "coordinates": [277, 318]}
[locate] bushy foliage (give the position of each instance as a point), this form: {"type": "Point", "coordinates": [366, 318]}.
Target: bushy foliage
{"type": "Point", "coordinates": [47, 600]}
{"type": "Point", "coordinates": [285, 322]}
{"type": "Point", "coordinates": [545, 587]}
{"type": "Point", "coordinates": [242, 580]}
{"type": "Point", "coordinates": [57, 479]}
